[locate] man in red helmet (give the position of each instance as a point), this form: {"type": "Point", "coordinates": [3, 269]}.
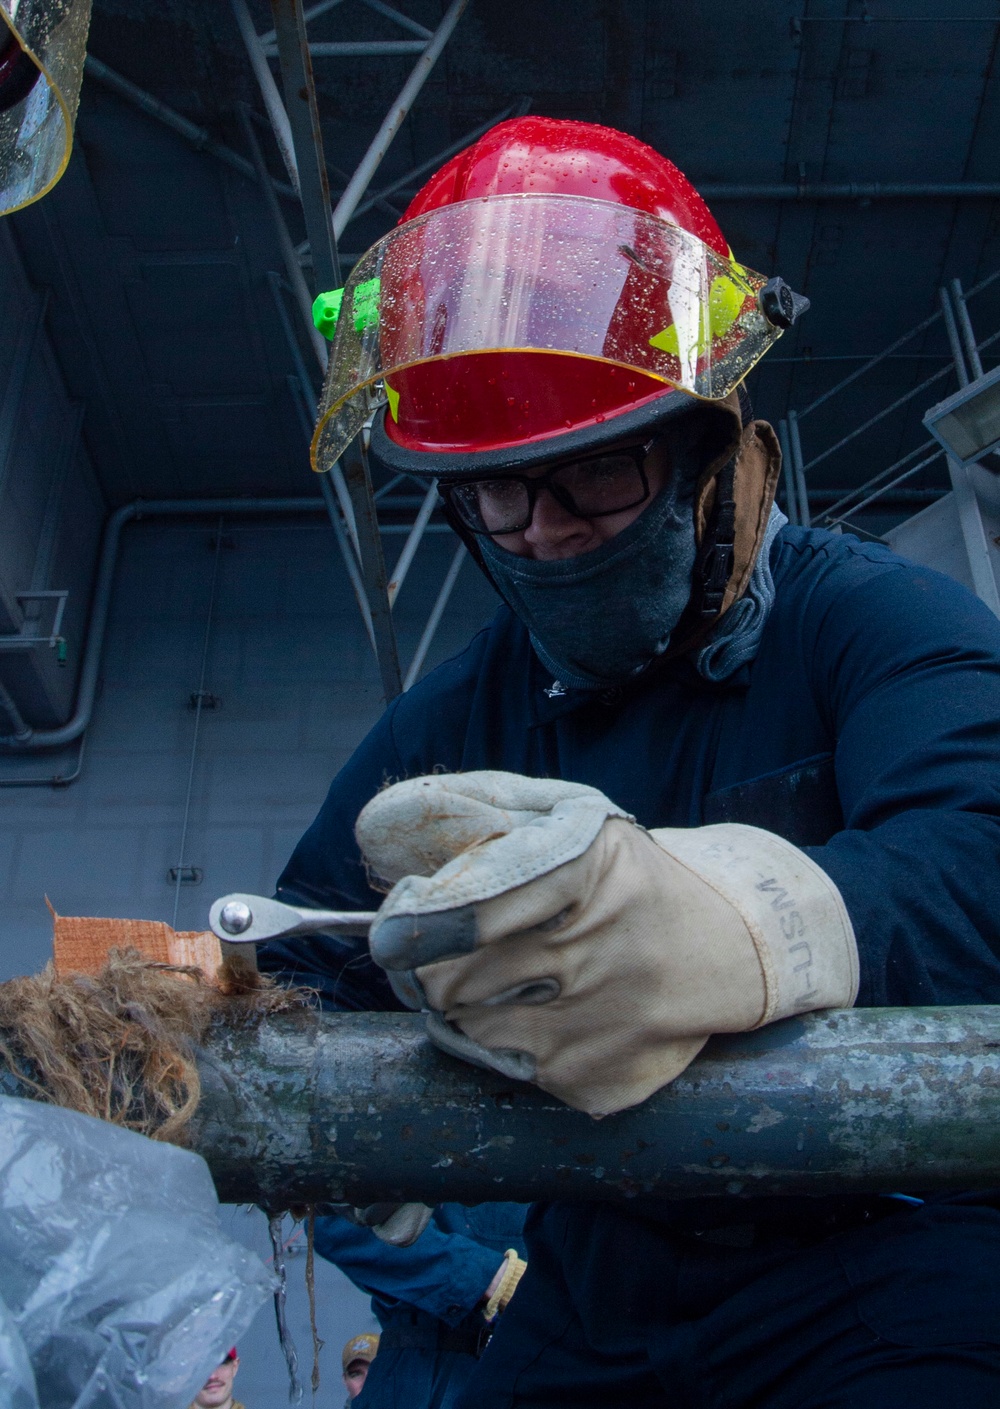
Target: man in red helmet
{"type": "Point", "coordinates": [806, 728]}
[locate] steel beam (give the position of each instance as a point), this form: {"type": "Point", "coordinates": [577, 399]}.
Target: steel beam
{"type": "Point", "coordinates": [434, 620]}
{"type": "Point", "coordinates": [436, 161]}
{"type": "Point", "coordinates": [412, 543]}
{"type": "Point", "coordinates": [307, 139]}
{"type": "Point", "coordinates": [293, 270]}
{"type": "Point", "coordinates": [795, 443]}
{"type": "Point", "coordinates": [312, 13]}
{"type": "Point", "coordinates": [369, 164]}
{"type": "Point", "coordinates": [397, 17]}
{"type": "Point", "coordinates": [788, 474]}
{"type": "Point", "coordinates": [268, 90]}
{"type": "Point", "coordinates": [965, 329]}
{"type": "Point", "coordinates": [977, 546]}
{"type": "Point", "coordinates": [308, 397]}
{"type": "Point", "coordinates": [361, 1108]}
{"type": "Point", "coordinates": [359, 487]}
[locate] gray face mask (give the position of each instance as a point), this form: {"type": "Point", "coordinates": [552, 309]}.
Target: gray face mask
{"type": "Point", "coordinates": [601, 617]}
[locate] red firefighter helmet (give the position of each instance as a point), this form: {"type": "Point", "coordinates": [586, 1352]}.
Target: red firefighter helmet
{"type": "Point", "coordinates": [557, 281]}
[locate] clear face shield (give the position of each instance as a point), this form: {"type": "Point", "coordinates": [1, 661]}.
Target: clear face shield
{"type": "Point", "coordinates": [562, 275]}
{"type": "Point", "coordinates": [42, 52]}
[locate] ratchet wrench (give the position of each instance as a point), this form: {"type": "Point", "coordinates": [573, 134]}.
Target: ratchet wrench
{"type": "Point", "coordinates": [253, 919]}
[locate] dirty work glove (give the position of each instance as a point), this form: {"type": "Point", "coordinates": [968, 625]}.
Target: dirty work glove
{"type": "Point", "coordinates": [397, 1224]}
{"type": "Point", "coordinates": [400, 1225]}
{"type": "Point", "coordinates": [554, 940]}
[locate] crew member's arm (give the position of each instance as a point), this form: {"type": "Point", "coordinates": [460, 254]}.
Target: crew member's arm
{"type": "Point", "coordinates": [554, 940]}
{"type": "Point", "coordinates": [446, 1274]}
{"type": "Point", "coordinates": [907, 665]}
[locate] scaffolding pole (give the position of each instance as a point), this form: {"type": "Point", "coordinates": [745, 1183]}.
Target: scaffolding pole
{"type": "Point", "coordinates": [394, 118]}
{"type": "Point", "coordinates": [307, 139]}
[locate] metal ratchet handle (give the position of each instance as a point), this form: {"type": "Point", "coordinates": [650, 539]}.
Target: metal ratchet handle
{"type": "Point", "coordinates": [253, 919]}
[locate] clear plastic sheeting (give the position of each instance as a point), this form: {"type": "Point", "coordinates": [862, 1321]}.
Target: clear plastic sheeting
{"type": "Point", "coordinates": [42, 50]}
{"type": "Point", "coordinates": [537, 273]}
{"type": "Point", "coordinates": [118, 1288]}
{"type": "Point", "coordinates": [17, 1379]}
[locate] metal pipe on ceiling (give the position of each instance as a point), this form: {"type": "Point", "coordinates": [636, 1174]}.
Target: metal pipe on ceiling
{"type": "Point", "coordinates": [89, 670]}
{"type": "Point", "coordinates": [139, 509]}
{"type": "Point", "coordinates": [369, 163]}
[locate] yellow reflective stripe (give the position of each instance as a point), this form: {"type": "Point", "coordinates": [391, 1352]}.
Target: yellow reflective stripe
{"type": "Point", "coordinates": [666, 341]}
{"type": "Point", "coordinates": [725, 303]}
{"type": "Point", "coordinates": [725, 299]}
{"type": "Point", "coordinates": [393, 399]}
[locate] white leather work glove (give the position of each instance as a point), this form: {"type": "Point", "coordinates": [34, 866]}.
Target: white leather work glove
{"type": "Point", "coordinates": [554, 940]}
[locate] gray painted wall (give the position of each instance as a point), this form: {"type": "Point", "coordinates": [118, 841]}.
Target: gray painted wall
{"type": "Point", "coordinates": [51, 508]}
{"type": "Point", "coordinates": [291, 666]}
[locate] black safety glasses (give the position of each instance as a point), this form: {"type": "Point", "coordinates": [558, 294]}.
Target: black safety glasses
{"type": "Point", "coordinates": [590, 488]}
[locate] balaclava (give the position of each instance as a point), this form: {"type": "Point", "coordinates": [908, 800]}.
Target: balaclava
{"type": "Point", "coordinates": [601, 618]}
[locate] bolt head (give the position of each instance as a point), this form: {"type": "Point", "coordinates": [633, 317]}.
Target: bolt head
{"type": "Point", "coordinates": [777, 303]}
{"type": "Point", "coordinates": [236, 917]}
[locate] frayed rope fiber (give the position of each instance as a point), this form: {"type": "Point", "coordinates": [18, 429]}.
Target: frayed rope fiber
{"type": "Point", "coordinates": [120, 1044]}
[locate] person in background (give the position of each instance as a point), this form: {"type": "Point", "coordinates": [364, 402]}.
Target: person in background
{"type": "Point", "coordinates": [437, 1301]}
{"type": "Point", "coordinates": [217, 1391]}
{"type": "Point", "coordinates": [358, 1354]}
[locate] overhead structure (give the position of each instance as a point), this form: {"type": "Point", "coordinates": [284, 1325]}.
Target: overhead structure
{"type": "Point", "coordinates": [295, 120]}
{"type": "Point", "coordinates": [43, 45]}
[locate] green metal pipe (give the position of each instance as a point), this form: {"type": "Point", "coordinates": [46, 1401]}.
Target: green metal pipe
{"type": "Point", "coordinates": [316, 1107]}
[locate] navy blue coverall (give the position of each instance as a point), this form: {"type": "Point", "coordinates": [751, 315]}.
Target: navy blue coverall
{"type": "Point", "coordinates": [867, 730]}
{"type": "Point", "coordinates": [426, 1298]}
